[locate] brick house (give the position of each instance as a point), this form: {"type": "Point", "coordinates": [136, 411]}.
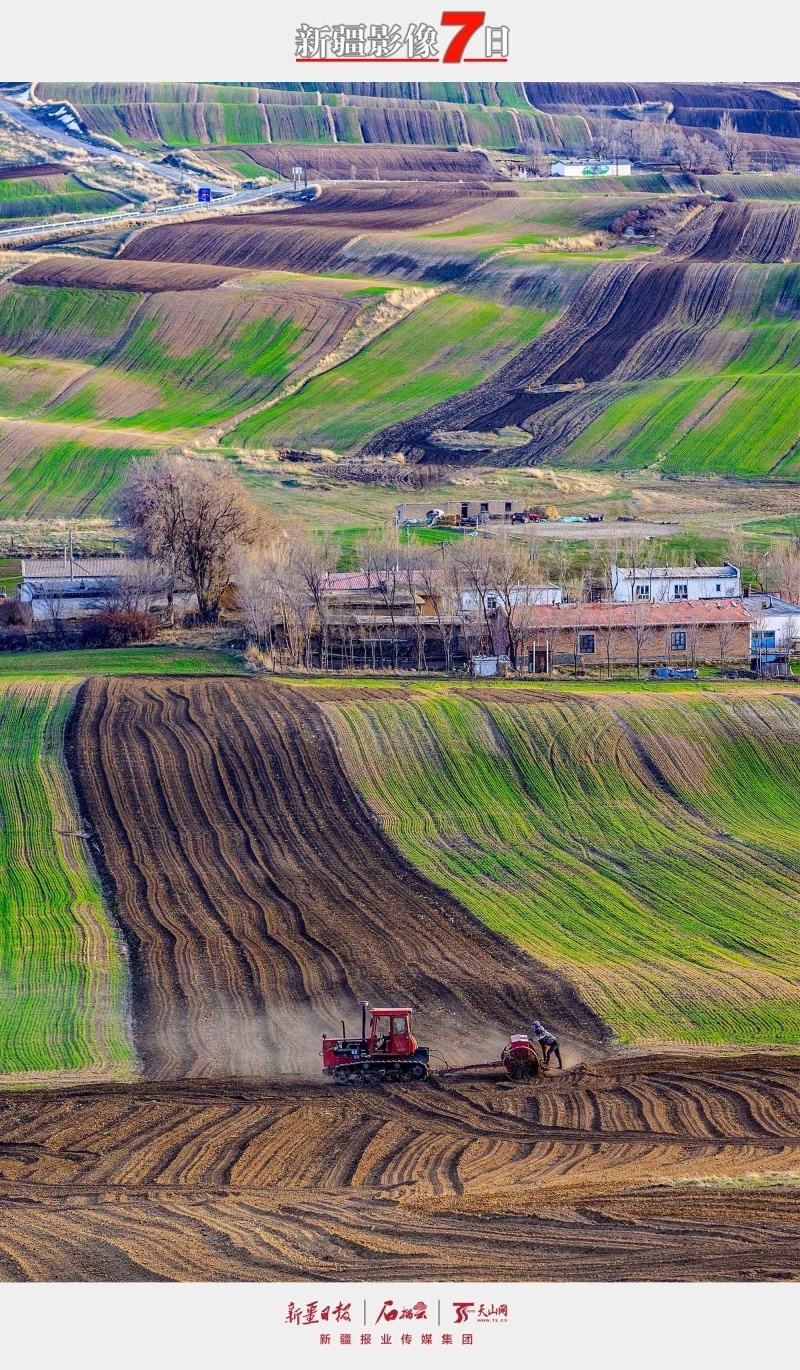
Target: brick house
{"type": "Point", "coordinates": [604, 634]}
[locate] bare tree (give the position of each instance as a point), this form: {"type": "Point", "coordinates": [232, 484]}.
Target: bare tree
{"type": "Point", "coordinates": [726, 633]}
{"type": "Point", "coordinates": [693, 630]}
{"type": "Point", "coordinates": [733, 143]}
{"type": "Point", "coordinates": [641, 630]}
{"type": "Point", "coordinates": [51, 593]}
{"type": "Point", "coordinates": [192, 517]}
{"type": "Point", "coordinates": [313, 561]}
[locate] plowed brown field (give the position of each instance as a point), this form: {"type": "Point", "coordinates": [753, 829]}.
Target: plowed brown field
{"type": "Point", "coordinates": [663, 1168]}
{"type": "Point", "coordinates": [259, 897]}
{"type": "Point", "coordinates": [306, 238]}
{"type": "Point", "coordinates": [110, 274]}
{"type": "Point", "coordinates": [368, 161]}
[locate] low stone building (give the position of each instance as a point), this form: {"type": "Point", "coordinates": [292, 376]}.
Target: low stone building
{"type": "Point", "coordinates": [647, 634]}
{"type": "Point", "coordinates": [74, 587]}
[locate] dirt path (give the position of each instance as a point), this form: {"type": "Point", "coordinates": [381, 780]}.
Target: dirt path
{"type": "Point", "coordinates": [653, 1168]}
{"type": "Point", "coordinates": [259, 898]}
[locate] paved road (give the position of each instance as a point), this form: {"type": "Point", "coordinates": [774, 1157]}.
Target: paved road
{"type": "Point", "coordinates": [51, 132]}
{"type": "Point", "coordinates": [49, 228]}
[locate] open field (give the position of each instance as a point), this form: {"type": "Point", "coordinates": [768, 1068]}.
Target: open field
{"type": "Point", "coordinates": [662, 1168]}
{"type": "Point", "coordinates": [645, 847]}
{"type": "Point", "coordinates": [109, 661]}
{"type": "Point", "coordinates": [50, 470]}
{"type": "Point", "coordinates": [441, 349]}
{"type": "Point", "coordinates": [63, 1000]}
{"type": "Point", "coordinates": [683, 314]}
{"type": "Point", "coordinates": [249, 929]}
{"type": "Point", "coordinates": [40, 197]}
{"type": "Point", "coordinates": [364, 161]}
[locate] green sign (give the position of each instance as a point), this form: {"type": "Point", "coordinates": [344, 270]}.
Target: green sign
{"type": "Point", "coordinates": [597, 169]}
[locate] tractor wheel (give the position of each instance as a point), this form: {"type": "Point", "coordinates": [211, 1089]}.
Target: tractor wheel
{"type": "Point", "coordinates": [341, 1074]}
{"type": "Point", "coordinates": [419, 1072]}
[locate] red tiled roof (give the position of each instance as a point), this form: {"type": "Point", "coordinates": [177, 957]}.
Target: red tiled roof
{"type": "Point", "coordinates": [608, 615]}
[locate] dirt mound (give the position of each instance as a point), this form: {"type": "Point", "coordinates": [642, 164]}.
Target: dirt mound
{"type": "Point", "coordinates": [258, 896]}
{"type": "Point", "coordinates": [112, 274]}
{"type": "Point", "coordinates": [662, 1168]}
{"type": "Point", "coordinates": [383, 162]}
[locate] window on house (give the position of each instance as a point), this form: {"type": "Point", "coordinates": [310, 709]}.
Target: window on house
{"type": "Point", "coordinates": [677, 642]}
{"type": "Point", "coordinates": [681, 590]}
{"type": "Point", "coordinates": [491, 601]}
{"type": "Point", "coordinates": [718, 587]}
{"type": "Point", "coordinates": [586, 644]}
{"type": "Point", "coordinates": [465, 511]}
{"type": "Point", "coordinates": [485, 507]}
{"type": "Point", "coordinates": [642, 591]}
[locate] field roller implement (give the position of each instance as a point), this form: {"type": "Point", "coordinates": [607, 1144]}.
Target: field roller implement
{"type": "Point", "coordinates": [390, 1052]}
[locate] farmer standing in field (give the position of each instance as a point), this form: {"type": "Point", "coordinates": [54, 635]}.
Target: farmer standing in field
{"type": "Point", "coordinates": [547, 1042]}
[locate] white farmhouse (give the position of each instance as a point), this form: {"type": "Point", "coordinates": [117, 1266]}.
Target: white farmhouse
{"type": "Point", "coordinates": [665, 584]}
{"type": "Point", "coordinates": [614, 166]}
{"type": "Point", "coordinates": [775, 622]}
{"type": "Point", "coordinates": [529, 595]}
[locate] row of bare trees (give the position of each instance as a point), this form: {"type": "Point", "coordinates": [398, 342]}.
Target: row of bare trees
{"type": "Point", "coordinates": [651, 141]}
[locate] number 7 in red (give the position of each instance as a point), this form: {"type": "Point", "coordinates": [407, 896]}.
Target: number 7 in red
{"type": "Point", "coordinates": [468, 21]}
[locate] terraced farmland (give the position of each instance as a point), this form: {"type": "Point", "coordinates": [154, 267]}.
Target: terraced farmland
{"type": "Point", "coordinates": [646, 848]}
{"type": "Point", "coordinates": [255, 889]}
{"type": "Point", "coordinates": [441, 349]}
{"type": "Point", "coordinates": [43, 197]}
{"type": "Point", "coordinates": [62, 973]}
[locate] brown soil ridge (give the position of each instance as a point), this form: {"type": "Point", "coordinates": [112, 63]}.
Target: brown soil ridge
{"type": "Point", "coordinates": [259, 897]}
{"type": "Point", "coordinates": [671, 1167]}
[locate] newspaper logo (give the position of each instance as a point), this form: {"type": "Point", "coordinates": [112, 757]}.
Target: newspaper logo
{"type": "Point", "coordinates": [473, 41]}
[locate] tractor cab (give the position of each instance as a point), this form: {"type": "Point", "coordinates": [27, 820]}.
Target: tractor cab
{"type": "Point", "coordinates": [387, 1051]}
{"type": "Point", "coordinates": [390, 1032]}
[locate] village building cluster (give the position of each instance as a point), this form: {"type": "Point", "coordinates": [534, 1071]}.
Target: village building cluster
{"type": "Point", "coordinates": [456, 614]}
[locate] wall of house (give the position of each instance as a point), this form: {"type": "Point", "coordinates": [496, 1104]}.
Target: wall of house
{"type": "Point", "coordinates": [662, 589]}
{"type": "Point", "coordinates": [619, 645]}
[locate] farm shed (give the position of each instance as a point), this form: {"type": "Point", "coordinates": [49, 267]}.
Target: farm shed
{"type": "Point", "coordinates": [571, 167]}
{"type": "Point", "coordinates": [71, 587]}
{"type": "Point", "coordinates": [595, 634]}
{"type": "Point", "coordinates": [462, 508]}
{"type": "Point", "coordinates": [662, 584]}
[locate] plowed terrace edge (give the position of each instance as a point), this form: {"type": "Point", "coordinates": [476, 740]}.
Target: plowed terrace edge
{"type": "Point", "coordinates": [643, 1168]}
{"type": "Point", "coordinates": [259, 897]}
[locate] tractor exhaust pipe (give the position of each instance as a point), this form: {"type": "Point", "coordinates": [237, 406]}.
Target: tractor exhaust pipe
{"type": "Point", "coordinates": [364, 1007]}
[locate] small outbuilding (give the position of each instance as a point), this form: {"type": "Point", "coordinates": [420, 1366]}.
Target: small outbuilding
{"type": "Point", "coordinates": [614, 166]}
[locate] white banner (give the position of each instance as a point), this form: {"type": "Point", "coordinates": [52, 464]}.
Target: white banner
{"type": "Point", "coordinates": [395, 40]}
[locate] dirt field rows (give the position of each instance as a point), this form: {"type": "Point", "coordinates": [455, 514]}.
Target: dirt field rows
{"type": "Point", "coordinates": [260, 899]}
{"type": "Point", "coordinates": [665, 1168]}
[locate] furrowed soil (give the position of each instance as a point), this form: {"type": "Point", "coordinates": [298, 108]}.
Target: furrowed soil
{"type": "Point", "coordinates": [667, 1168]}
{"type": "Point", "coordinates": [260, 899]}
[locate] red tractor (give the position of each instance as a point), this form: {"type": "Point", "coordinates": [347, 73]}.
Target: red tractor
{"type": "Point", "coordinates": [389, 1052]}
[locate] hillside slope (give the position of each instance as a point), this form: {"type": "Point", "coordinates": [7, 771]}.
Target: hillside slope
{"type": "Point", "coordinates": [260, 900]}
{"type": "Point", "coordinates": [646, 846]}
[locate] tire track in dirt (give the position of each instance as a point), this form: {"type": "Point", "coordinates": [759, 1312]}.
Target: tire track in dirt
{"type": "Point", "coordinates": [259, 897]}
{"type": "Point", "coordinates": [627, 1169]}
